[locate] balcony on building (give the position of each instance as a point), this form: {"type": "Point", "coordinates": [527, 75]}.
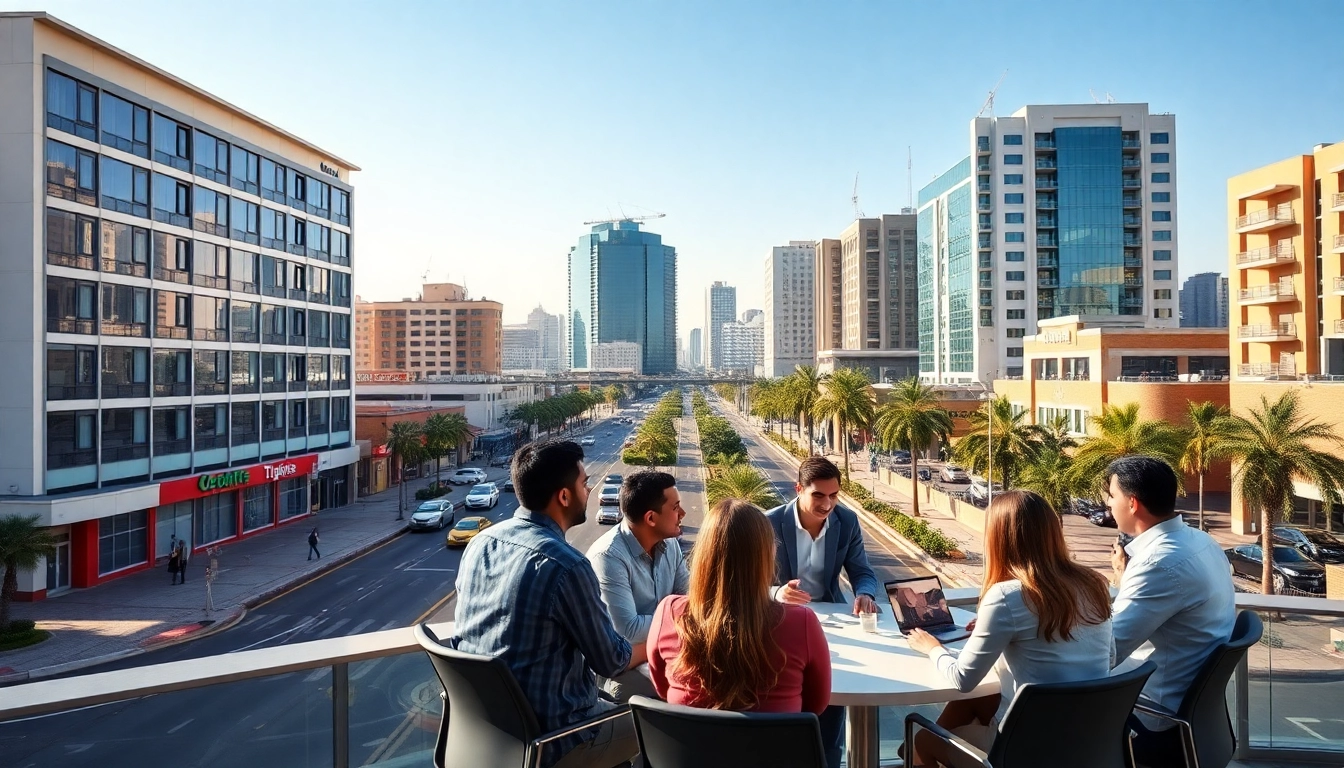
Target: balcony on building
{"type": "Point", "coordinates": [1133, 221]}
{"type": "Point", "coordinates": [986, 223]}
{"type": "Point", "coordinates": [1338, 244]}
{"type": "Point", "coordinates": [1266, 371]}
{"type": "Point", "coordinates": [1133, 261]}
{"type": "Point", "coordinates": [1047, 182]}
{"type": "Point", "coordinates": [1338, 286]}
{"type": "Point", "coordinates": [1134, 282]}
{"type": "Point", "coordinates": [986, 244]}
{"type": "Point", "coordinates": [1046, 203]}
{"type": "Point", "coordinates": [1133, 240]}
{"type": "Point", "coordinates": [1045, 143]}
{"type": "Point", "coordinates": [1046, 164]}
{"type": "Point", "coordinates": [1046, 222]}
{"type": "Point", "coordinates": [1281, 252]}
{"type": "Point", "coordinates": [984, 206]}
{"type": "Point", "coordinates": [1267, 219]}
{"type": "Point", "coordinates": [1130, 142]}
{"type": "Point", "coordinates": [1267, 294]}
{"type": "Point", "coordinates": [1131, 301]}
{"type": "Point", "coordinates": [1046, 241]}
{"type": "Point", "coordinates": [1267, 332]}
{"type": "Point", "coordinates": [1047, 280]}
{"type": "Point", "coordinates": [1131, 163]}
{"type": "Point", "coordinates": [1131, 201]}
{"type": "Point", "coordinates": [982, 145]}
{"type": "Point", "coordinates": [1131, 182]}
{"type": "Point", "coordinates": [982, 186]}
{"type": "Point", "coordinates": [1047, 262]}
{"type": "Point", "coordinates": [982, 166]}
{"type": "Point", "coordinates": [1334, 329]}
{"type": "Point", "coordinates": [1337, 202]}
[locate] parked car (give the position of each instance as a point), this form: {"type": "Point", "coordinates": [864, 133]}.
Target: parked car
{"type": "Point", "coordinates": [900, 457]}
{"type": "Point", "coordinates": [502, 461]}
{"type": "Point", "coordinates": [1085, 507]}
{"type": "Point", "coordinates": [610, 494]}
{"type": "Point", "coordinates": [953, 473]}
{"type": "Point", "coordinates": [508, 486]}
{"type": "Point", "coordinates": [465, 530]}
{"type": "Point", "coordinates": [608, 515]}
{"type": "Point", "coordinates": [431, 516]}
{"type": "Point", "coordinates": [467, 476]}
{"type": "Point", "coordinates": [1101, 517]}
{"type": "Point", "coordinates": [483, 496]}
{"type": "Point", "coordinates": [1319, 546]}
{"type": "Point", "coordinates": [980, 488]}
{"type": "Point", "coordinates": [1291, 567]}
{"type": "Point", "coordinates": [925, 474]}
{"type": "Point", "coordinates": [587, 440]}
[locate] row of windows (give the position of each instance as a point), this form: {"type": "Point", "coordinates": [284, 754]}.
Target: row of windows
{"type": "Point", "coordinates": [1015, 139]}
{"type": "Point", "coordinates": [112, 309]}
{"type": "Point", "coordinates": [74, 174]}
{"type": "Point", "coordinates": [74, 107]}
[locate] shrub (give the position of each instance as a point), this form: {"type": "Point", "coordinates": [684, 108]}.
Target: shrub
{"type": "Point", "coordinates": [10, 641]}
{"type": "Point", "coordinates": [918, 532]}
{"type": "Point", "coordinates": [18, 627]}
{"type": "Point", "coordinates": [433, 491]}
{"type": "Point", "coordinates": [788, 444]}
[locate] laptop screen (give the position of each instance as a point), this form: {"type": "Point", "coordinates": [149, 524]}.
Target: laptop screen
{"type": "Point", "coordinates": [918, 603]}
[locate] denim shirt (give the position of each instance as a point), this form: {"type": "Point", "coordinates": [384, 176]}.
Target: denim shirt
{"type": "Point", "coordinates": [526, 596]}
{"type": "Point", "coordinates": [633, 582]}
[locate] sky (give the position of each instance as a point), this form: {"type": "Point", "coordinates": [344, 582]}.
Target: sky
{"type": "Point", "coordinates": [488, 132]}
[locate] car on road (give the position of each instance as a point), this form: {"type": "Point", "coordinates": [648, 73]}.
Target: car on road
{"type": "Point", "coordinates": [502, 461]}
{"type": "Point", "coordinates": [925, 474]}
{"type": "Point", "coordinates": [465, 530]}
{"type": "Point", "coordinates": [953, 473]}
{"type": "Point", "coordinates": [1101, 516]}
{"type": "Point", "coordinates": [507, 487]}
{"type": "Point", "coordinates": [483, 496]}
{"type": "Point", "coordinates": [980, 488]}
{"type": "Point", "coordinates": [467, 476]}
{"type": "Point", "coordinates": [900, 457]}
{"type": "Point", "coordinates": [608, 515]}
{"type": "Point", "coordinates": [610, 494]}
{"type": "Point", "coordinates": [1319, 546]}
{"type": "Point", "coordinates": [611, 480]}
{"type": "Point", "coordinates": [1291, 567]}
{"type": "Point", "coordinates": [587, 440]}
{"type": "Point", "coordinates": [431, 515]}
{"type": "Point", "coordinates": [1085, 507]}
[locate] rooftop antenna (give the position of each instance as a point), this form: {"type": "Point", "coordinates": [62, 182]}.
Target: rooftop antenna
{"type": "Point", "coordinates": [909, 178]}
{"type": "Point", "coordinates": [858, 214]}
{"type": "Point", "coordinates": [1108, 100]}
{"type": "Point", "coordinates": [988, 109]}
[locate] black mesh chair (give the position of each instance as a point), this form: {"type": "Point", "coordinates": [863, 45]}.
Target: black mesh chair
{"type": "Point", "coordinates": [492, 725]}
{"type": "Point", "coordinates": [1207, 738]}
{"type": "Point", "coordinates": [1059, 725]}
{"type": "Point", "coordinates": [672, 736]}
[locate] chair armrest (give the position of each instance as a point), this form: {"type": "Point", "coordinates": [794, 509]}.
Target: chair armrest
{"type": "Point", "coordinates": [1188, 749]}
{"type": "Point", "coordinates": [534, 747]}
{"type": "Point", "coordinates": [1159, 714]}
{"type": "Point", "coordinates": [943, 735]}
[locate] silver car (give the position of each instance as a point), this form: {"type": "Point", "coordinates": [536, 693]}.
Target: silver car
{"type": "Point", "coordinates": [483, 496]}
{"type": "Point", "coordinates": [610, 494]}
{"type": "Point", "coordinates": [954, 474]}
{"type": "Point", "coordinates": [432, 515]}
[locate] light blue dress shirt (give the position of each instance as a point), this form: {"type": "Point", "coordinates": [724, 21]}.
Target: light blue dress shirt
{"type": "Point", "coordinates": [633, 583]}
{"type": "Point", "coordinates": [1176, 592]}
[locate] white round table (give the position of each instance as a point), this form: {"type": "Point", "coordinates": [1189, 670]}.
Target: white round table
{"type": "Point", "coordinates": [871, 670]}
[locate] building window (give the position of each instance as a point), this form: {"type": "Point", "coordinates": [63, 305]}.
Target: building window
{"type": "Point", "coordinates": [71, 239]}
{"type": "Point", "coordinates": [1162, 235]}
{"type": "Point", "coordinates": [1014, 352]}
{"type": "Point", "coordinates": [172, 201]}
{"type": "Point", "coordinates": [172, 373]}
{"type": "Point", "coordinates": [125, 125]}
{"type": "Point", "coordinates": [71, 306]}
{"type": "Point", "coordinates": [273, 184]}
{"type": "Point", "coordinates": [1160, 157]}
{"type": "Point", "coordinates": [125, 311]}
{"type": "Point", "coordinates": [1014, 218]}
{"type": "Point", "coordinates": [210, 265]}
{"type": "Point", "coordinates": [1015, 333]}
{"type": "Point", "coordinates": [1161, 215]}
{"type": "Point", "coordinates": [211, 426]}
{"type": "Point", "coordinates": [1013, 198]}
{"type": "Point", "coordinates": [1014, 237]}
{"type": "Point", "coordinates": [172, 143]}
{"type": "Point", "coordinates": [1012, 159]}
{"type": "Point", "coordinates": [1150, 367]}
{"type": "Point", "coordinates": [125, 434]}
{"type": "Point", "coordinates": [72, 174]}
{"type": "Point", "coordinates": [212, 158]}
{"type": "Point", "coordinates": [71, 439]}
{"type": "Point", "coordinates": [72, 372]}
{"type": "Point", "coordinates": [294, 496]}
{"type": "Point", "coordinates": [1209, 365]}
{"type": "Point", "coordinates": [1015, 256]}
{"type": "Point", "coordinates": [1015, 277]}
{"type": "Point", "coordinates": [125, 249]}
{"type": "Point", "coordinates": [72, 106]}
{"type": "Point", "coordinates": [1162, 255]}
{"type": "Point", "coordinates": [1162, 274]}
{"type": "Point", "coordinates": [1012, 178]}
{"type": "Point", "coordinates": [210, 318]}
{"type": "Point", "coordinates": [243, 172]}
{"type": "Point", "coordinates": [244, 426]}
{"type": "Point", "coordinates": [1015, 296]}
{"type": "Point", "coordinates": [258, 507]}
{"type": "Point", "coordinates": [125, 372]}
{"type": "Point", "coordinates": [122, 541]}
{"type": "Point", "coordinates": [1161, 178]}
{"type": "Point", "coordinates": [125, 187]}
{"type": "Point", "coordinates": [1012, 139]}
{"type": "Point", "coordinates": [217, 517]}
{"type": "Point", "coordinates": [1161, 197]}
{"type": "Point", "coordinates": [1161, 293]}
{"type": "Point", "coordinates": [1159, 138]}
{"type": "Point", "coordinates": [1017, 314]}
{"type": "Point", "coordinates": [1162, 312]}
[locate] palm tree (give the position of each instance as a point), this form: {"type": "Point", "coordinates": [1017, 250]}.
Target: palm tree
{"type": "Point", "coordinates": [1203, 443]}
{"type": "Point", "coordinates": [1272, 447]}
{"type": "Point", "coordinates": [1015, 441]}
{"type": "Point", "coordinates": [444, 432]}
{"type": "Point", "coordinates": [405, 441]}
{"type": "Point", "coordinates": [1050, 473]}
{"type": "Point", "coordinates": [1120, 432]}
{"type": "Point", "coordinates": [741, 481]}
{"type": "Point", "coordinates": [848, 398]}
{"type": "Point", "coordinates": [806, 383]}
{"type": "Point", "coordinates": [912, 419]}
{"type": "Point", "coordinates": [612, 395]}
{"type": "Point", "coordinates": [23, 543]}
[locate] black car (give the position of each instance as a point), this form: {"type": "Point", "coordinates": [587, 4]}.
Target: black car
{"type": "Point", "coordinates": [900, 457]}
{"type": "Point", "coordinates": [1316, 545]}
{"type": "Point", "coordinates": [925, 474]}
{"type": "Point", "coordinates": [1291, 567]}
{"type": "Point", "coordinates": [1101, 517]}
{"type": "Point", "coordinates": [1085, 507]}
{"type": "Point", "coordinates": [507, 487]}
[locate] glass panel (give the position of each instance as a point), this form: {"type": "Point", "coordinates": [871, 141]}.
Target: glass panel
{"type": "Point", "coordinates": [394, 710]}
{"type": "Point", "coordinates": [1295, 698]}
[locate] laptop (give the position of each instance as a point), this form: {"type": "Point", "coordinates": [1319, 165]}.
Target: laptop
{"type": "Point", "coordinates": [920, 603]}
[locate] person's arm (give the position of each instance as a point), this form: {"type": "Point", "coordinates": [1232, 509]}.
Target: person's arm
{"type": "Point", "coordinates": [1148, 597]}
{"type": "Point", "coordinates": [817, 671]}
{"type": "Point", "coordinates": [613, 580]}
{"type": "Point", "coordinates": [994, 629]}
{"type": "Point", "coordinates": [681, 584]}
{"type": "Point", "coordinates": [860, 573]}
{"type": "Point", "coordinates": [658, 664]}
{"type": "Point", "coordinates": [578, 609]}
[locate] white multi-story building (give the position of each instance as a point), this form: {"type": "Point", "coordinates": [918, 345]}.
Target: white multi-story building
{"type": "Point", "coordinates": [550, 339]}
{"type": "Point", "coordinates": [790, 341]}
{"type": "Point", "coordinates": [1059, 210]}
{"type": "Point", "coordinates": [177, 319]}
{"type": "Point", "coordinates": [522, 349]}
{"type": "Point", "coordinates": [720, 308]}
{"type": "Point", "coordinates": [618, 356]}
{"type": "Point", "coordinates": [744, 345]}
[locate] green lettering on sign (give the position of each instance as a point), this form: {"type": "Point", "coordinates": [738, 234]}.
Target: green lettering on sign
{"type": "Point", "coordinates": [223, 480]}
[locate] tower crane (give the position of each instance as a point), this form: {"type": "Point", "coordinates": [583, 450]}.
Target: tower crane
{"type": "Point", "coordinates": [858, 214]}
{"type": "Point", "coordinates": [636, 219]}
{"type": "Point", "coordinates": [989, 101]}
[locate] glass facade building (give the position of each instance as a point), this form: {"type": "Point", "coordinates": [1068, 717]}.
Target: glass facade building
{"type": "Point", "coordinates": [1090, 238]}
{"type": "Point", "coordinates": [623, 287]}
{"type": "Point", "coordinates": [946, 293]}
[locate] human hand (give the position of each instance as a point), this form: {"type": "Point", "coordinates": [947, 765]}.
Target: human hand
{"type": "Point", "coordinates": [970, 625]}
{"type": "Point", "coordinates": [1119, 559]}
{"type": "Point", "coordinates": [791, 594]}
{"type": "Point", "coordinates": [864, 604]}
{"type": "Point", "coordinates": [922, 641]}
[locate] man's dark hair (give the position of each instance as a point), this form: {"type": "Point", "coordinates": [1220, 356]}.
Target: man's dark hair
{"type": "Point", "coordinates": [817, 468]}
{"type": "Point", "coordinates": [542, 468]}
{"type": "Point", "coordinates": [644, 491]}
{"type": "Point", "coordinates": [1148, 479]}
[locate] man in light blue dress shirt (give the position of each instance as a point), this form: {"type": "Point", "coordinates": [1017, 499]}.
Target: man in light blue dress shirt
{"type": "Point", "coordinates": [638, 563]}
{"type": "Point", "coordinates": [1175, 592]}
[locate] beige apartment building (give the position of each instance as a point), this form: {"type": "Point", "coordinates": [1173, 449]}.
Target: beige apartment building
{"type": "Point", "coordinates": [441, 333]}
{"type": "Point", "coordinates": [878, 293]}
{"type": "Point", "coordinates": [828, 317]}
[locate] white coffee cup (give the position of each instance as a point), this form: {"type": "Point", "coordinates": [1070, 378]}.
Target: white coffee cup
{"type": "Point", "coordinates": [868, 622]}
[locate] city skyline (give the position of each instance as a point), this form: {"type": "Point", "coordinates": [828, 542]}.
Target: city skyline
{"type": "Point", "coordinates": [723, 228]}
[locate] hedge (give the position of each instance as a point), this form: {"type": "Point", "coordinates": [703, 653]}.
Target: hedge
{"type": "Point", "coordinates": [923, 535]}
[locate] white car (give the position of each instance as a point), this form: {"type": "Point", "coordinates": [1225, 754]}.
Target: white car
{"type": "Point", "coordinates": [953, 473]}
{"type": "Point", "coordinates": [980, 487]}
{"type": "Point", "coordinates": [432, 515]}
{"type": "Point", "coordinates": [483, 496]}
{"type": "Point", "coordinates": [610, 494]}
{"type": "Point", "coordinates": [587, 441]}
{"type": "Point", "coordinates": [608, 516]}
{"type": "Point", "coordinates": [468, 476]}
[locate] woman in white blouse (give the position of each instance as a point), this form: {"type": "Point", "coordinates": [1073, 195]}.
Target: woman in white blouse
{"type": "Point", "coordinates": [1043, 618]}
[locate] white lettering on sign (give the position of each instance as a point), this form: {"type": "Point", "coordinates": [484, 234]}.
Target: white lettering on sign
{"type": "Point", "coordinates": [277, 471]}
{"type": "Point", "coordinates": [382, 377]}
{"type": "Point", "coordinates": [1055, 337]}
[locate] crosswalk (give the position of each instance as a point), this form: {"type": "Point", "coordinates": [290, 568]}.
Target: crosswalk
{"type": "Point", "coordinates": [305, 628]}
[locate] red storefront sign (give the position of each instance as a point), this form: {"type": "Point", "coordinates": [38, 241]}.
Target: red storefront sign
{"type": "Point", "coordinates": [210, 483]}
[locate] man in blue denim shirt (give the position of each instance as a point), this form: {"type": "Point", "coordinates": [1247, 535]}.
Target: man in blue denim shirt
{"type": "Point", "coordinates": [526, 596]}
{"type": "Point", "coordinates": [639, 563]}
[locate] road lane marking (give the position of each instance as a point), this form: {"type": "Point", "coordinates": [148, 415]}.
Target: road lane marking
{"type": "Point", "coordinates": [332, 628]}
{"type": "Point", "coordinates": [316, 674]}
{"type": "Point", "coordinates": [301, 625]}
{"type": "Point", "coordinates": [1301, 722]}
{"type": "Point", "coordinates": [280, 617]}
{"type": "Point", "coordinates": [347, 580]}
{"type": "Point", "coordinates": [440, 570]}
{"type": "Point", "coordinates": [370, 592]}
{"type": "Point", "coordinates": [251, 620]}
{"type": "Point", "coordinates": [360, 627]}
{"type": "Point", "coordinates": [181, 725]}
{"type": "Point", "coordinates": [366, 668]}
{"type": "Point", "coordinates": [390, 625]}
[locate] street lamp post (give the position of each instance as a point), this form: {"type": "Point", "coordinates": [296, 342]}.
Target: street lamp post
{"type": "Point", "coordinates": [988, 395]}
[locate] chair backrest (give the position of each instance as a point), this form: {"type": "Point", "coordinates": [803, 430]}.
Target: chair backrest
{"type": "Point", "coordinates": [672, 736]}
{"type": "Point", "coordinates": [492, 722]}
{"type": "Point", "coordinates": [1070, 724]}
{"type": "Point", "coordinates": [1205, 704]}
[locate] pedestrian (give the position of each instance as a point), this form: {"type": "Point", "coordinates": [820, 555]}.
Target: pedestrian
{"type": "Point", "coordinates": [312, 544]}
{"type": "Point", "coordinates": [174, 559]}
{"type": "Point", "coordinates": [183, 555]}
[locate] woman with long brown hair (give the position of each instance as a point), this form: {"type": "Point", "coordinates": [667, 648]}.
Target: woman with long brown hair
{"type": "Point", "coordinates": [1043, 618]}
{"type": "Point", "coordinates": [726, 644]}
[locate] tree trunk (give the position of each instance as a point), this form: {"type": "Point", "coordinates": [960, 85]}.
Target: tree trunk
{"type": "Point", "coordinates": [1266, 554]}
{"type": "Point", "coordinates": [11, 586]}
{"type": "Point", "coordinates": [401, 491]}
{"type": "Point", "coordinates": [914, 484]}
{"type": "Point", "coordinates": [844, 447]}
{"type": "Point", "coordinates": [1202, 527]}
{"type": "Point", "coordinates": [810, 437]}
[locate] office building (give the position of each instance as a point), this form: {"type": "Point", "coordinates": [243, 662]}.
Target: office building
{"type": "Point", "coordinates": [695, 350]}
{"type": "Point", "coordinates": [521, 349]}
{"type": "Point", "coordinates": [720, 308]}
{"type": "Point", "coordinates": [177, 297]}
{"type": "Point", "coordinates": [550, 339]}
{"type": "Point", "coordinates": [1286, 314]}
{"type": "Point", "coordinates": [790, 297]}
{"type": "Point", "coordinates": [623, 287]}
{"type": "Point", "coordinates": [1204, 301]}
{"type": "Point", "coordinates": [744, 345]}
{"type": "Point", "coordinates": [878, 284]}
{"type": "Point", "coordinates": [443, 332]}
{"type": "Point", "coordinates": [828, 300]}
{"type": "Point", "coordinates": [1058, 210]}
{"type": "Point", "coordinates": [751, 314]}
{"type": "Point", "coordinates": [617, 357]}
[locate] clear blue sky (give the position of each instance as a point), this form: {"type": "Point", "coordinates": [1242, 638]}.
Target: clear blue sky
{"type": "Point", "coordinates": [489, 131]}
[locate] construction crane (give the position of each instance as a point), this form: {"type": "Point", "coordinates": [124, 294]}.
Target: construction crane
{"type": "Point", "coordinates": [858, 214]}
{"type": "Point", "coordinates": [989, 102]}
{"type": "Point", "coordinates": [635, 219]}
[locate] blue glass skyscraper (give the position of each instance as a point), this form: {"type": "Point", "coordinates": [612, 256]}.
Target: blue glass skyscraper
{"type": "Point", "coordinates": [623, 287]}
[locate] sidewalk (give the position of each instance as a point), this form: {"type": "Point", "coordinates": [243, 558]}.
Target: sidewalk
{"type": "Point", "coordinates": [142, 611]}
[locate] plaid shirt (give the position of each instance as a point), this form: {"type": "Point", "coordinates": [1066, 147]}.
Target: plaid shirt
{"type": "Point", "coordinates": [526, 596]}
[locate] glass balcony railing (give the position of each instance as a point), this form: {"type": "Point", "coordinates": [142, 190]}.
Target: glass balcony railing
{"type": "Point", "coordinates": [1130, 144]}
{"type": "Point", "coordinates": [1130, 201]}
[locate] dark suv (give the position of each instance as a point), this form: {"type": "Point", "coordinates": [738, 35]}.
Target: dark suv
{"type": "Point", "coordinates": [1316, 545]}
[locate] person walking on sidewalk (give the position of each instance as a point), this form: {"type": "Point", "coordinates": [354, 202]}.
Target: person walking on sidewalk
{"type": "Point", "coordinates": [174, 559]}
{"type": "Point", "coordinates": [183, 555]}
{"type": "Point", "coordinates": [312, 544]}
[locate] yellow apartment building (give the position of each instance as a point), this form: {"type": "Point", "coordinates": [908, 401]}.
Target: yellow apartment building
{"type": "Point", "coordinates": [441, 333]}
